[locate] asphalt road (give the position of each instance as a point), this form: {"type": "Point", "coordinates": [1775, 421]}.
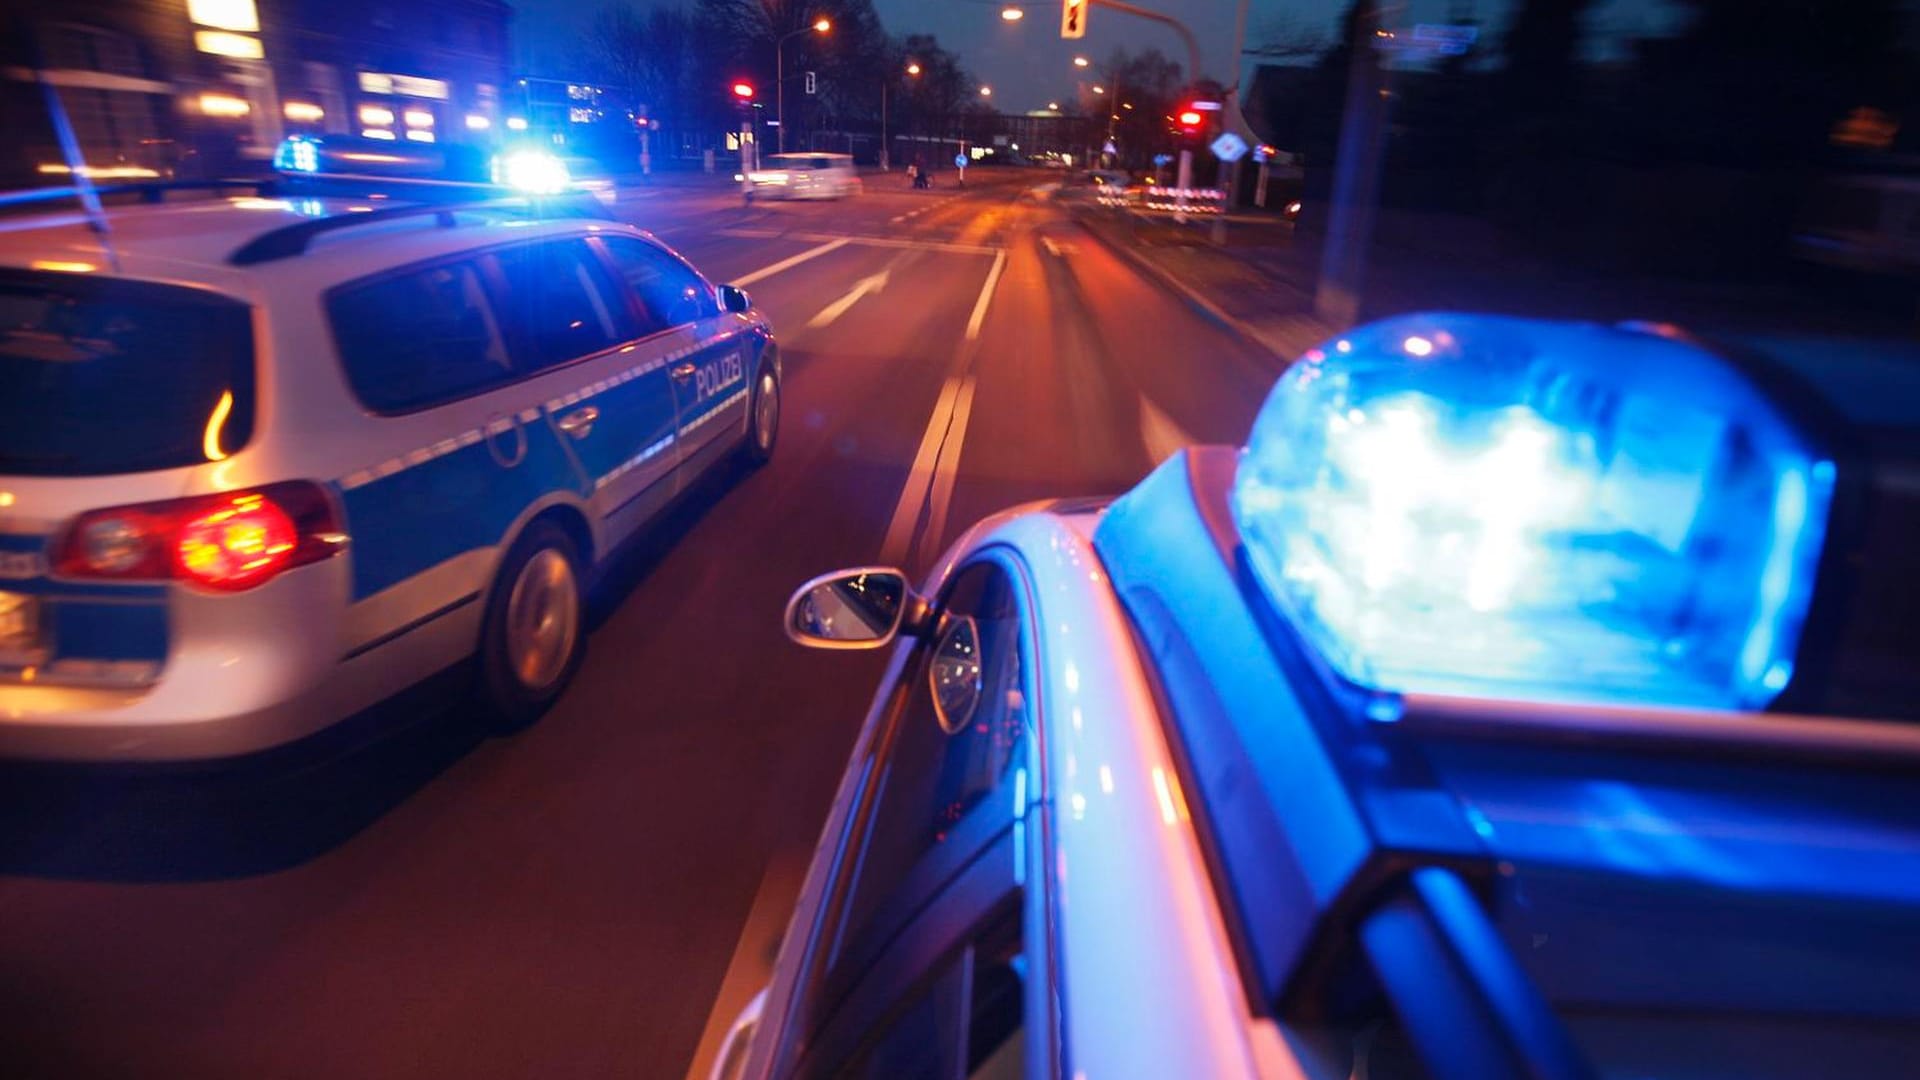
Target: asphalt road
{"type": "Point", "coordinates": [585, 898]}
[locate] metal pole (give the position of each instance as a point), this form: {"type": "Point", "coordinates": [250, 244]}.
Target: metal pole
{"type": "Point", "coordinates": [1184, 181]}
{"type": "Point", "coordinates": [780, 91]}
{"type": "Point", "coordinates": [746, 162]}
{"type": "Point", "coordinates": [1356, 181]}
{"type": "Point", "coordinates": [1186, 35]}
{"type": "Point", "coordinates": [883, 125]}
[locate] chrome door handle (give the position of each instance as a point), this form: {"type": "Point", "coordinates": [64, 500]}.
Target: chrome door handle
{"type": "Point", "coordinates": [682, 371]}
{"type": "Point", "coordinates": [579, 422]}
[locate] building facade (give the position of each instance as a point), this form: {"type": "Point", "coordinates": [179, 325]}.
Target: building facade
{"type": "Point", "coordinates": [166, 88]}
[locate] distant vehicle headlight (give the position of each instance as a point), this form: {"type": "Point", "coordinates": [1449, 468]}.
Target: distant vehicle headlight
{"type": "Point", "coordinates": [1538, 511]}
{"type": "Point", "coordinates": [533, 172]}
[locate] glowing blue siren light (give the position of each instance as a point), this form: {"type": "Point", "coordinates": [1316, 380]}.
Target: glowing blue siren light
{"type": "Point", "coordinates": [1560, 512]}
{"type": "Point", "coordinates": [297, 153]}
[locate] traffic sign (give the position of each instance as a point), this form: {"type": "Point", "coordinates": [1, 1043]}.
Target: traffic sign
{"type": "Point", "coordinates": [810, 82]}
{"type": "Point", "coordinates": [1073, 19]}
{"type": "Point", "coordinates": [1109, 148]}
{"type": "Point", "coordinates": [1445, 38]}
{"type": "Point", "coordinates": [1207, 106]}
{"type": "Point", "coordinates": [1229, 147]}
{"type": "Point", "coordinates": [959, 161]}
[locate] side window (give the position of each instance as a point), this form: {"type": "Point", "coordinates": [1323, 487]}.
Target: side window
{"type": "Point", "coordinates": [419, 338]}
{"type": "Point", "coordinates": [670, 292]}
{"type": "Point", "coordinates": [930, 780]}
{"type": "Point", "coordinates": [559, 303]}
{"type": "Point", "coordinates": [967, 1020]}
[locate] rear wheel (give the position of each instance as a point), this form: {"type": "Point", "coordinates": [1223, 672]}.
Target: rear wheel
{"type": "Point", "coordinates": [763, 418]}
{"type": "Point", "coordinates": [534, 634]}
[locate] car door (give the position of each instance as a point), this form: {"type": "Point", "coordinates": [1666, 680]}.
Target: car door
{"type": "Point", "coordinates": [616, 414]}
{"type": "Point", "coordinates": [930, 884]}
{"type": "Point", "coordinates": [709, 373]}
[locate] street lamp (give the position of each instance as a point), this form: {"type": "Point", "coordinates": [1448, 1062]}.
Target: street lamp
{"type": "Point", "coordinates": [913, 68]}
{"type": "Point", "coordinates": [1053, 106]}
{"type": "Point", "coordinates": [820, 26]}
{"type": "Point", "coordinates": [1081, 61]}
{"type": "Point", "coordinates": [1099, 89]}
{"type": "Point", "coordinates": [1012, 14]}
{"type": "Point", "coordinates": [986, 91]}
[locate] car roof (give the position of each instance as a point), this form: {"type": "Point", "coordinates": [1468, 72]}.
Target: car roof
{"type": "Point", "coordinates": [189, 240]}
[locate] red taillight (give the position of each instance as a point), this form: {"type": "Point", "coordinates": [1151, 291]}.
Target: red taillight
{"type": "Point", "coordinates": [231, 541]}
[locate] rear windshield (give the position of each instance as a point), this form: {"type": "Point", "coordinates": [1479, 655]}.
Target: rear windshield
{"type": "Point", "coordinates": [101, 376]}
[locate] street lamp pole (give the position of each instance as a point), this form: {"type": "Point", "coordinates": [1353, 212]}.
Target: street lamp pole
{"type": "Point", "coordinates": [818, 26]}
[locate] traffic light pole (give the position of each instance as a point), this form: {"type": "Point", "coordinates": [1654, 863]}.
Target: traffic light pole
{"type": "Point", "coordinates": [1186, 35]}
{"type": "Point", "coordinates": [1356, 180]}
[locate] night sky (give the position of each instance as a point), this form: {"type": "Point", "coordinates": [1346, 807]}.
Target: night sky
{"type": "Point", "coordinates": [1028, 65]}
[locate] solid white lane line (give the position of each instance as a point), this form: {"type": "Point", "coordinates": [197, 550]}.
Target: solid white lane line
{"type": "Point", "coordinates": [871, 283]}
{"type": "Point", "coordinates": [906, 512]}
{"type": "Point", "coordinates": [869, 241]}
{"type": "Point", "coordinates": [986, 295]}
{"type": "Point", "coordinates": [946, 471]}
{"type": "Point", "coordinates": [789, 263]}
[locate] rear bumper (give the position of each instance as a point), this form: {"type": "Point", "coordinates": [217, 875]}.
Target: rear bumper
{"type": "Point", "coordinates": [245, 674]}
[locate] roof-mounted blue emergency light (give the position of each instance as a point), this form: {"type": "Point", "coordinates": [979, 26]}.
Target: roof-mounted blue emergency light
{"type": "Point", "coordinates": [298, 154]}
{"type": "Point", "coordinates": [1525, 510]}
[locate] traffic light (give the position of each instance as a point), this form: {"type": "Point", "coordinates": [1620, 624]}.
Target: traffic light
{"type": "Point", "coordinates": [1190, 121]}
{"type": "Point", "coordinates": [743, 91]}
{"type": "Point", "coordinates": [1073, 19]}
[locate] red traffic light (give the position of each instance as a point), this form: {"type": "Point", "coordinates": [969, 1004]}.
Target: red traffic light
{"type": "Point", "coordinates": [743, 91]}
{"type": "Point", "coordinates": [1190, 119]}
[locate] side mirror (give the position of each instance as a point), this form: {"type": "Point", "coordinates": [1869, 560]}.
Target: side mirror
{"type": "Point", "coordinates": [735, 299]}
{"type": "Point", "coordinates": [954, 674]}
{"type": "Point", "coordinates": [862, 608]}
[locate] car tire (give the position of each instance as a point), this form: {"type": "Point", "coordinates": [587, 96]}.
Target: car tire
{"type": "Point", "coordinates": [535, 631]}
{"type": "Point", "coordinates": [763, 418]}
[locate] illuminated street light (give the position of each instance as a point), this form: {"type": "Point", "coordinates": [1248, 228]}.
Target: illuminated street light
{"type": "Point", "coordinates": [1099, 89]}
{"type": "Point", "coordinates": [820, 26]}
{"type": "Point", "coordinates": [1053, 106]}
{"type": "Point", "coordinates": [986, 91]}
{"type": "Point", "coordinates": [913, 69]}
{"type": "Point", "coordinates": [1012, 14]}
{"type": "Point", "coordinates": [1081, 61]}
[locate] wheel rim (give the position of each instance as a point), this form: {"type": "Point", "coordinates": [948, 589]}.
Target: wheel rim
{"type": "Point", "coordinates": [543, 620]}
{"type": "Point", "coordinates": [766, 411]}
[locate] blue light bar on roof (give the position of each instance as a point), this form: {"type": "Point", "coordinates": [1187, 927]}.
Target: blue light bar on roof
{"type": "Point", "coordinates": [1527, 510]}
{"type": "Point", "coordinates": [297, 154]}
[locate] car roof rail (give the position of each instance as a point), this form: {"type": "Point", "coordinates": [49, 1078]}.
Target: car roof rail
{"type": "Point", "coordinates": [292, 240]}
{"type": "Point", "coordinates": [151, 191]}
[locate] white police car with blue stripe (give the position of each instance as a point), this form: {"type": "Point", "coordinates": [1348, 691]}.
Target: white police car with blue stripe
{"type": "Point", "coordinates": [1523, 700]}
{"type": "Point", "coordinates": [266, 460]}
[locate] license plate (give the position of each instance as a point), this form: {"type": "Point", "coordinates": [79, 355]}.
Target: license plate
{"type": "Point", "coordinates": [20, 631]}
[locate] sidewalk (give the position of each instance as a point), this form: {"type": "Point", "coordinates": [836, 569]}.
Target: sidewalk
{"type": "Point", "coordinates": [1245, 285]}
{"type": "Point", "coordinates": [1262, 281]}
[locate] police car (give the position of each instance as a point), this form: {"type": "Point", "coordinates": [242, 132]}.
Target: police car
{"type": "Point", "coordinates": [267, 459]}
{"type": "Point", "coordinates": [1523, 700]}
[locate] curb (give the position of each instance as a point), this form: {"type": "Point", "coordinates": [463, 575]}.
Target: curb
{"type": "Point", "coordinates": [1287, 350]}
